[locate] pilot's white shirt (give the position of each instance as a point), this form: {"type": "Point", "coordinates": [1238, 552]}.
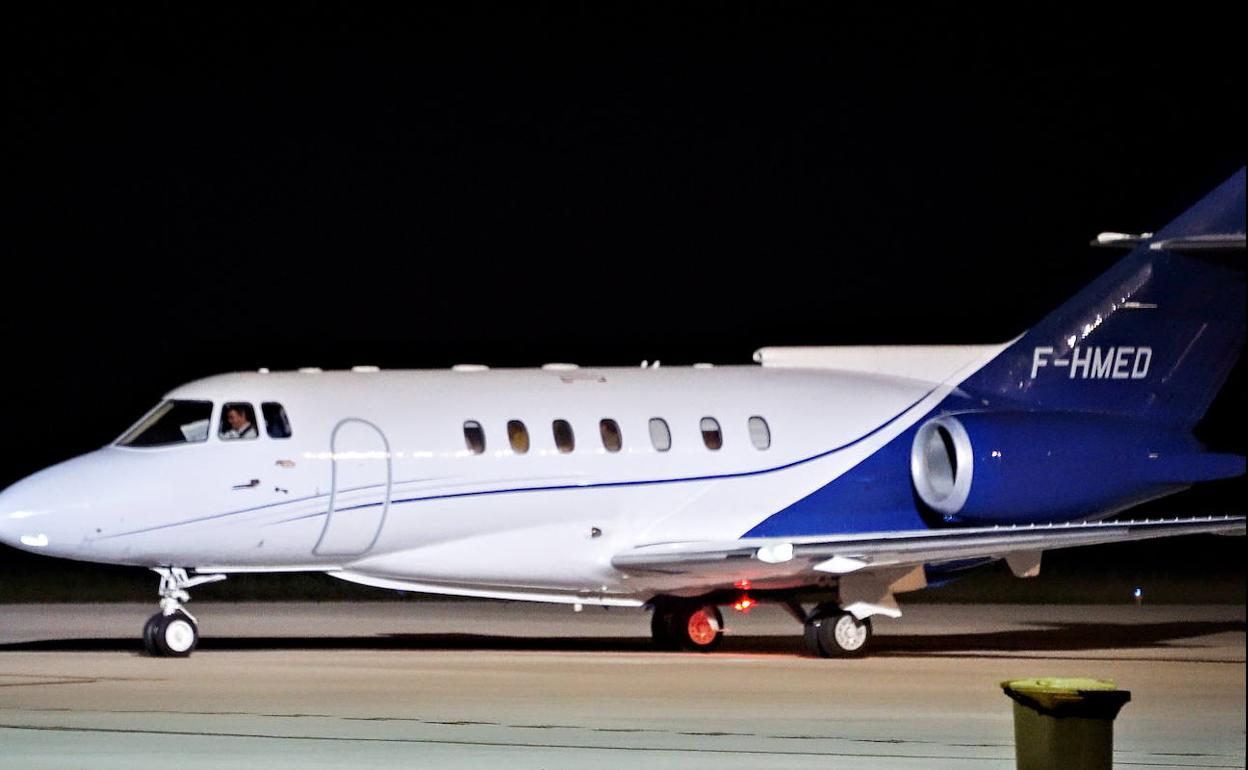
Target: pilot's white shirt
{"type": "Point", "coordinates": [247, 431]}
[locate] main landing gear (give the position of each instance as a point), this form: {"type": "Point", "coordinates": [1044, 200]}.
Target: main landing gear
{"type": "Point", "coordinates": [696, 625]}
{"type": "Point", "coordinates": [831, 632]}
{"type": "Point", "coordinates": [173, 632]}
{"type": "Point", "coordinates": [691, 626]}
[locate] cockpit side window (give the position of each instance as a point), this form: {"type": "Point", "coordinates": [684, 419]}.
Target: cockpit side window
{"type": "Point", "coordinates": [172, 422]}
{"type": "Point", "coordinates": [238, 421]}
{"type": "Point", "coordinates": [275, 421]}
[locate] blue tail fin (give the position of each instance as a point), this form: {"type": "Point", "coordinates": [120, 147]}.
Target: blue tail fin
{"type": "Point", "coordinates": [1153, 338]}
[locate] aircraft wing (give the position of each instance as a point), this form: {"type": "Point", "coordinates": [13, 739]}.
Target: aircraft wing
{"type": "Point", "coordinates": [777, 559]}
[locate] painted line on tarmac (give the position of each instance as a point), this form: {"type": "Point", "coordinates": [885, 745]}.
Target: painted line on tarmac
{"type": "Point", "coordinates": [13, 711]}
{"type": "Point", "coordinates": [501, 744]}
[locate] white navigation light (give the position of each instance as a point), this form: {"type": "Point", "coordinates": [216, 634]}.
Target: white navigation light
{"type": "Point", "coordinates": [35, 541]}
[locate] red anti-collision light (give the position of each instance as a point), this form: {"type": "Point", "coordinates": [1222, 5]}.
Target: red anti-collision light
{"type": "Point", "coordinates": [743, 604]}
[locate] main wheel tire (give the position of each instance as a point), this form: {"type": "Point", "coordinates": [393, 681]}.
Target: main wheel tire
{"type": "Point", "coordinates": [661, 628]}
{"type": "Point", "coordinates": [176, 635]}
{"type": "Point", "coordinates": [838, 634]}
{"type": "Point", "coordinates": [810, 636]}
{"type": "Point", "coordinates": [149, 634]}
{"type": "Point", "coordinates": [698, 627]}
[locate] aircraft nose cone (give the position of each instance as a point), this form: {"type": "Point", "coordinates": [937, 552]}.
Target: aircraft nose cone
{"type": "Point", "coordinates": [59, 510]}
{"type": "Point", "coordinates": [44, 512]}
{"type": "Point", "coordinates": [23, 516]}
{"type": "Point", "coordinates": [6, 524]}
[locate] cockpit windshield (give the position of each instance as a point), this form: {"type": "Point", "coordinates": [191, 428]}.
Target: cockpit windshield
{"type": "Point", "coordinates": [173, 422]}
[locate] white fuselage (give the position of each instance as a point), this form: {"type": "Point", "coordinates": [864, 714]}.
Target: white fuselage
{"type": "Point", "coordinates": [377, 482]}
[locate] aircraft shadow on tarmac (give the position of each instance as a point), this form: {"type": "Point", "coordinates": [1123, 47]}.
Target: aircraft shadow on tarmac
{"type": "Point", "coordinates": [1041, 638]}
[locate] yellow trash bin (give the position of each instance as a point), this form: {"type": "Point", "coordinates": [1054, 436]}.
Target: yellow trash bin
{"type": "Point", "coordinates": [1064, 723]}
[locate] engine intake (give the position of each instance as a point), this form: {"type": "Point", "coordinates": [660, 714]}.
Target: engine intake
{"type": "Point", "coordinates": [942, 464]}
{"type": "Point", "coordinates": [1009, 467]}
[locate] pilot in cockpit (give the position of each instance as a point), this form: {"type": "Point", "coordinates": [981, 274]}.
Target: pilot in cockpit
{"type": "Point", "coordinates": [240, 421]}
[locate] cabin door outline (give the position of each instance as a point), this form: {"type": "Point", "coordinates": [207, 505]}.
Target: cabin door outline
{"type": "Point", "coordinates": [354, 520]}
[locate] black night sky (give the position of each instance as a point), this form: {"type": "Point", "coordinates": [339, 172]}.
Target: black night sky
{"type": "Point", "coordinates": [197, 189]}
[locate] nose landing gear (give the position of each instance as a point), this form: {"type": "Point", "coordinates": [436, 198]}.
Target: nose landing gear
{"type": "Point", "coordinates": [170, 636]}
{"type": "Point", "coordinates": [173, 632]}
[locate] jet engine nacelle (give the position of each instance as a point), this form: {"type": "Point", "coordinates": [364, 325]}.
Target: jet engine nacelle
{"type": "Point", "coordinates": [1011, 467]}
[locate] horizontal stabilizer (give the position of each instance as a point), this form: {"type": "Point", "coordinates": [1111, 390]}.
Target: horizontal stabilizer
{"type": "Point", "coordinates": [1199, 242]}
{"type": "Point", "coordinates": [1204, 242]}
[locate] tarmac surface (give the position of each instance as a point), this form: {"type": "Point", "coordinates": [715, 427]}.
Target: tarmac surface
{"type": "Point", "coordinates": [474, 684]}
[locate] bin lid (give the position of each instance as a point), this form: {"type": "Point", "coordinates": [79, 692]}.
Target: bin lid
{"type": "Point", "coordinates": [1068, 696]}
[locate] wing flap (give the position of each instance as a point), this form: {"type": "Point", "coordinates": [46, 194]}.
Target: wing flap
{"type": "Point", "coordinates": [762, 559]}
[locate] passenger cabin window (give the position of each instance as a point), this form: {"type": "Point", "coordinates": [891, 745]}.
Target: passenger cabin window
{"type": "Point", "coordinates": [238, 421]}
{"type": "Point", "coordinates": [172, 422]}
{"type": "Point", "coordinates": [612, 441]}
{"type": "Point", "coordinates": [711, 435]}
{"type": "Point", "coordinates": [518, 435]}
{"type": "Point", "coordinates": [660, 434]}
{"type": "Point", "coordinates": [275, 421]}
{"type": "Point", "coordinates": [760, 434]}
{"type": "Point", "coordinates": [564, 440]}
{"type": "Point", "coordinates": [474, 437]}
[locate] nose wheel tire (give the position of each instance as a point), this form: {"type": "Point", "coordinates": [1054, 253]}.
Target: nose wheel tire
{"type": "Point", "coordinates": [837, 634]}
{"type": "Point", "coordinates": [170, 636]}
{"type": "Point", "coordinates": [692, 627]}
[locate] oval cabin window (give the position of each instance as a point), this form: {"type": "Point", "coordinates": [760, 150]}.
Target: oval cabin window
{"type": "Point", "coordinates": [474, 437]}
{"type": "Point", "coordinates": [564, 440]}
{"type": "Point", "coordinates": [711, 435]}
{"type": "Point", "coordinates": [660, 434]}
{"type": "Point", "coordinates": [612, 441]}
{"type": "Point", "coordinates": [518, 435]}
{"type": "Point", "coordinates": [760, 434]}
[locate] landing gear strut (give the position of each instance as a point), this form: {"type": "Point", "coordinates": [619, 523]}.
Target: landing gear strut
{"type": "Point", "coordinates": [690, 626]}
{"type": "Point", "coordinates": [834, 633]}
{"type": "Point", "coordinates": [174, 632]}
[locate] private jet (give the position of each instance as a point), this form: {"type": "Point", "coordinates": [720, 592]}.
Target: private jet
{"type": "Point", "coordinates": [827, 480]}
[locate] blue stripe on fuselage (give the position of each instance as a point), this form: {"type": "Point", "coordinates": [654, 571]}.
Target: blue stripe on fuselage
{"type": "Point", "coordinates": [549, 488]}
{"type": "Point", "coordinates": [876, 495]}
